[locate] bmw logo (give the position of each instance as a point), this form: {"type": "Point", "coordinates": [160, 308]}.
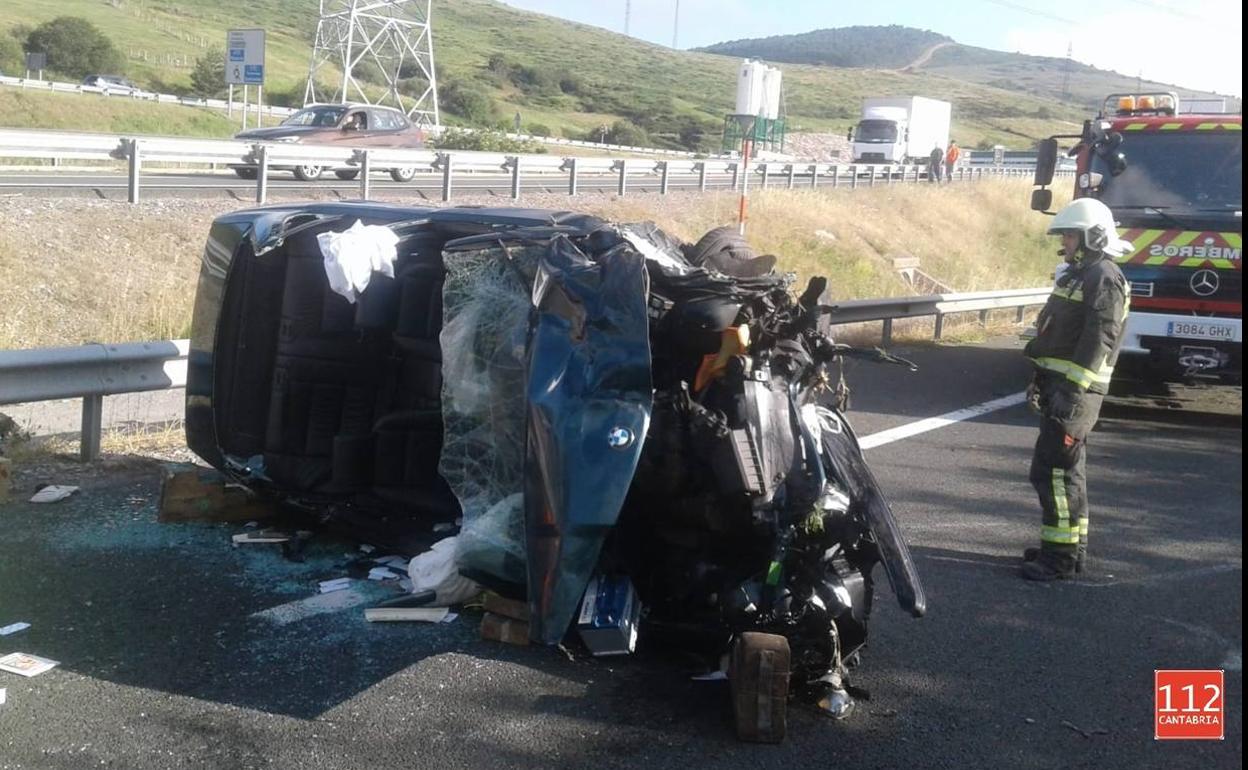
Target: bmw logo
{"type": "Point", "coordinates": [620, 438]}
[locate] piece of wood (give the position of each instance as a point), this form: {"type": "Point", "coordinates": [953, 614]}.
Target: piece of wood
{"type": "Point", "coordinates": [508, 608]}
{"type": "Point", "coordinates": [191, 493]}
{"type": "Point", "coordinates": [500, 629]}
{"type": "Point", "coordinates": [408, 614]}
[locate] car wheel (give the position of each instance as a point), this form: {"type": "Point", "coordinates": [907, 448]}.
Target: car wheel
{"type": "Point", "coordinates": [347, 175]}
{"type": "Point", "coordinates": [245, 173]}
{"type": "Point", "coordinates": [402, 174]}
{"type": "Point", "coordinates": [308, 173]}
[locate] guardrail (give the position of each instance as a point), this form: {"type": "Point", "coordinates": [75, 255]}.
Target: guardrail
{"type": "Point", "coordinates": [138, 95]}
{"type": "Point", "coordinates": [257, 160]}
{"type": "Point", "coordinates": [91, 372]}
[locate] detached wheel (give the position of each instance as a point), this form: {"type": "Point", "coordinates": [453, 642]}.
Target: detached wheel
{"type": "Point", "coordinates": [246, 173]}
{"type": "Point", "coordinates": [758, 670]}
{"type": "Point", "coordinates": [347, 175]}
{"type": "Point", "coordinates": [402, 174]}
{"type": "Point", "coordinates": [308, 173]}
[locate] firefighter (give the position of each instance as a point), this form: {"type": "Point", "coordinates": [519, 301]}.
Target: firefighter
{"type": "Point", "coordinates": [1078, 334]}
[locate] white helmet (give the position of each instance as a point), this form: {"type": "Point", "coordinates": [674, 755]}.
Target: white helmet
{"type": "Point", "coordinates": [1094, 219]}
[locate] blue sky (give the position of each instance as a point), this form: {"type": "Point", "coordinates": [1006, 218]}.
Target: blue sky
{"type": "Point", "coordinates": [1193, 44]}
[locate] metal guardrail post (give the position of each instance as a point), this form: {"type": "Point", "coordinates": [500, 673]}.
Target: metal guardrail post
{"type": "Point", "coordinates": [940, 326]}
{"type": "Point", "coordinates": [814, 176]}
{"type": "Point", "coordinates": [136, 164]}
{"type": "Point", "coordinates": [1018, 317]}
{"type": "Point", "coordinates": [792, 174]}
{"type": "Point", "coordinates": [662, 177]}
{"type": "Point", "coordinates": [571, 164]}
{"type": "Point", "coordinates": [448, 176]}
{"type": "Point", "coordinates": [886, 336]}
{"type": "Point", "coordinates": [836, 176]}
{"type": "Point", "coordinates": [871, 180]}
{"type": "Point", "coordinates": [366, 173]}
{"type": "Point", "coordinates": [853, 177]}
{"type": "Point", "coordinates": [514, 163]}
{"type": "Point", "coordinates": [92, 423]}
{"type": "Point", "coordinates": [888, 175]}
{"type": "Point", "coordinates": [262, 174]}
{"type": "Point", "coordinates": [736, 174]}
{"type": "Point", "coordinates": [702, 176]}
{"type": "Point", "coordinates": [766, 174]}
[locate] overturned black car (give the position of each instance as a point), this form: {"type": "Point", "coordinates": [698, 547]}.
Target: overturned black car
{"type": "Point", "coordinates": [592, 400]}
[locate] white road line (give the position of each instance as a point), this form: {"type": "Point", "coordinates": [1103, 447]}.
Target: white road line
{"type": "Point", "coordinates": [291, 612]}
{"type": "Point", "coordinates": [932, 423]}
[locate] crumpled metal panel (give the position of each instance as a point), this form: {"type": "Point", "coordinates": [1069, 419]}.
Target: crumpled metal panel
{"type": "Point", "coordinates": [589, 402]}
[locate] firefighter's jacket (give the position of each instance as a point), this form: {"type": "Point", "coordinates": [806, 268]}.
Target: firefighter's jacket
{"type": "Point", "coordinates": [1079, 331]}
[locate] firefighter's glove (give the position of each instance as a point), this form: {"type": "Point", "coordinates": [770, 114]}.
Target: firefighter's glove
{"type": "Point", "coordinates": [1033, 398]}
{"type": "Point", "coordinates": [1062, 403]}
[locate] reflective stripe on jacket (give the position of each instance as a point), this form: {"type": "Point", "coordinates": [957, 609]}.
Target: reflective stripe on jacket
{"type": "Point", "coordinates": [1079, 331]}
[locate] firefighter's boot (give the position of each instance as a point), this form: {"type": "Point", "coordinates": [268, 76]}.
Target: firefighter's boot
{"type": "Point", "coordinates": [1050, 565]}
{"type": "Point", "coordinates": [1081, 557]}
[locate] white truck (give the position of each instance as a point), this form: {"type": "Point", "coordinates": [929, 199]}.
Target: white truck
{"type": "Point", "coordinates": [900, 129]}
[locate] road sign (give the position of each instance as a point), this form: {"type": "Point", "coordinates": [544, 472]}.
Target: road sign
{"type": "Point", "coordinates": [244, 57]}
{"type": "Point", "coordinates": [36, 60]}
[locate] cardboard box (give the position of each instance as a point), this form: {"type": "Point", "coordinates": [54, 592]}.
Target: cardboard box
{"type": "Point", "coordinates": [610, 612]}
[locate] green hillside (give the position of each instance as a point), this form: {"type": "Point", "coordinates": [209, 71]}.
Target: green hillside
{"type": "Point", "coordinates": [891, 47]}
{"type": "Point", "coordinates": [914, 50]}
{"type": "Point", "coordinates": [565, 78]}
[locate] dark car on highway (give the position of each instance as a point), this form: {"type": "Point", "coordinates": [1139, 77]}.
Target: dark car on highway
{"type": "Point", "coordinates": [354, 125]}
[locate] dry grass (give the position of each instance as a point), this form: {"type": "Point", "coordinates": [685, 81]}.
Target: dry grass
{"type": "Point", "coordinates": [74, 271]}
{"type": "Point", "coordinates": [95, 271]}
{"type": "Point", "coordinates": [163, 440]}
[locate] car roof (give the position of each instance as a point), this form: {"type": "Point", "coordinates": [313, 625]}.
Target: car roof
{"type": "Point", "coordinates": [352, 106]}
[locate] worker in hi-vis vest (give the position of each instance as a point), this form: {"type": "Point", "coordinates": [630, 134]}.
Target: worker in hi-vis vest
{"type": "Point", "coordinates": [1078, 334]}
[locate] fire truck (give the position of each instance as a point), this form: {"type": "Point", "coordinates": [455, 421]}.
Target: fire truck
{"type": "Point", "coordinates": [1174, 182]}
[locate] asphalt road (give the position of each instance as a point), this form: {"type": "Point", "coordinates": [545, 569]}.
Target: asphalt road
{"type": "Point", "coordinates": [164, 664]}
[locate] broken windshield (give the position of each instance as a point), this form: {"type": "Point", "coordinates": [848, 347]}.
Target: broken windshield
{"type": "Point", "coordinates": [1182, 171]}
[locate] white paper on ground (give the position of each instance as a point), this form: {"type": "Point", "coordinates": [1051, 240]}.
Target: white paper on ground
{"type": "Point", "coordinates": [352, 256]}
{"type": "Point", "coordinates": [381, 573]}
{"type": "Point", "coordinates": [13, 628]}
{"type": "Point", "coordinates": [3, 697]}
{"type": "Point", "coordinates": [26, 665]}
{"type": "Point", "coordinates": [53, 493]}
{"type": "Point", "coordinates": [335, 585]}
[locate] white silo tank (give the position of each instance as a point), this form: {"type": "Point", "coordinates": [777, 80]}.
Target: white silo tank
{"type": "Point", "coordinates": [749, 88]}
{"type": "Point", "coordinates": [771, 92]}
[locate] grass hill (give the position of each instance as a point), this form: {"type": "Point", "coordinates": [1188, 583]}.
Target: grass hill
{"type": "Point", "coordinates": [891, 47]}
{"type": "Point", "coordinates": [914, 50]}
{"type": "Point", "coordinates": [571, 79]}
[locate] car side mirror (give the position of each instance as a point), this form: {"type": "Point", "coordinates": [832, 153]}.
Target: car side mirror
{"type": "Point", "coordinates": [1041, 200]}
{"type": "Point", "coordinates": [1046, 163]}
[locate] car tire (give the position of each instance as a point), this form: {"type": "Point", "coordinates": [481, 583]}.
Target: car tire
{"type": "Point", "coordinates": [347, 175]}
{"type": "Point", "coordinates": [245, 173]}
{"type": "Point", "coordinates": [402, 174]}
{"type": "Point", "coordinates": [308, 173]}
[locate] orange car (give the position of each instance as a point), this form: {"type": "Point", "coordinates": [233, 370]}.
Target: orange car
{"type": "Point", "coordinates": [355, 125]}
